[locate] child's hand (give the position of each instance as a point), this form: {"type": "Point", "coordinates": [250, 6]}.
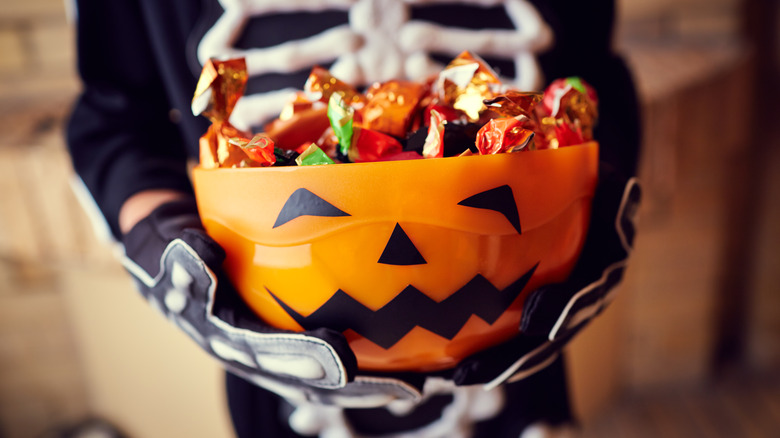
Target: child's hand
{"type": "Point", "coordinates": [177, 269]}
{"type": "Point", "coordinates": [553, 314]}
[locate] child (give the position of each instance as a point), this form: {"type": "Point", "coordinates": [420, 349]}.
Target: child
{"type": "Point", "coordinates": [132, 134]}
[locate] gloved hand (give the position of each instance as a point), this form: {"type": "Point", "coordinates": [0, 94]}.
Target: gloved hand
{"type": "Point", "coordinates": [553, 314]}
{"type": "Point", "coordinates": [177, 269]}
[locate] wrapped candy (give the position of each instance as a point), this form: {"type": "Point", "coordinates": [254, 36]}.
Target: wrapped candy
{"type": "Point", "coordinates": [260, 149]}
{"type": "Point", "coordinates": [515, 103]}
{"type": "Point", "coordinates": [369, 145]}
{"type": "Point", "coordinates": [321, 85]}
{"type": "Point", "coordinates": [341, 117]}
{"type": "Point", "coordinates": [520, 105]}
{"type": "Point", "coordinates": [313, 156]}
{"type": "Point", "coordinates": [357, 144]}
{"type": "Point", "coordinates": [504, 134]}
{"type": "Point", "coordinates": [391, 106]}
{"type": "Point", "coordinates": [568, 113]}
{"type": "Point", "coordinates": [303, 126]}
{"type": "Point", "coordinates": [465, 83]}
{"type": "Point", "coordinates": [220, 86]}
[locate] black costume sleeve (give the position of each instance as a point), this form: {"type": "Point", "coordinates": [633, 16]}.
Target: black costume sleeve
{"type": "Point", "coordinates": [583, 47]}
{"type": "Point", "coordinates": [120, 135]}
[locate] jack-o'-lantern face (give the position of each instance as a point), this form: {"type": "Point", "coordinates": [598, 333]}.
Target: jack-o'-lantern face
{"type": "Point", "coordinates": [419, 263]}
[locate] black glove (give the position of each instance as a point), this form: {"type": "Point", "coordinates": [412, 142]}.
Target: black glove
{"type": "Point", "coordinates": [177, 269]}
{"type": "Point", "coordinates": [553, 314]}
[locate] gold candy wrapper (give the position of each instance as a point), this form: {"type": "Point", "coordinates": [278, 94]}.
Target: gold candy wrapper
{"type": "Point", "coordinates": [465, 83]}
{"type": "Point", "coordinates": [220, 86]}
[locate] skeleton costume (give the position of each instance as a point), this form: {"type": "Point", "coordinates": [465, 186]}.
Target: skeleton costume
{"type": "Point", "coordinates": [132, 130]}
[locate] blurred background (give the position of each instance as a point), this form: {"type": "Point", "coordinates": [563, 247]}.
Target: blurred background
{"type": "Point", "coordinates": [691, 346]}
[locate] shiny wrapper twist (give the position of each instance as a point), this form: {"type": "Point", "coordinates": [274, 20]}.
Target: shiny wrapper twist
{"type": "Point", "coordinates": [313, 156]}
{"type": "Point", "coordinates": [515, 103]}
{"type": "Point", "coordinates": [341, 117]}
{"type": "Point", "coordinates": [260, 150]}
{"type": "Point", "coordinates": [220, 86]}
{"type": "Point", "coordinates": [465, 83]}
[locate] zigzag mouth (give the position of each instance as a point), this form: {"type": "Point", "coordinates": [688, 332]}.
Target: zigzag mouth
{"type": "Point", "coordinates": [412, 308]}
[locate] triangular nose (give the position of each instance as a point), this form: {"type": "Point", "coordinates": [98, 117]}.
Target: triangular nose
{"type": "Point", "coordinates": [400, 250]}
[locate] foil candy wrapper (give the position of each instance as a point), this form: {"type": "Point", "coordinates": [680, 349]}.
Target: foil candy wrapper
{"type": "Point", "coordinates": [465, 83]}
{"type": "Point", "coordinates": [259, 150]}
{"type": "Point", "coordinates": [220, 86]}
{"type": "Point", "coordinates": [341, 117]}
{"type": "Point", "coordinates": [313, 156]}
{"type": "Point", "coordinates": [321, 85]}
{"type": "Point", "coordinates": [568, 113]}
{"type": "Point", "coordinates": [504, 134]}
{"type": "Point", "coordinates": [392, 106]}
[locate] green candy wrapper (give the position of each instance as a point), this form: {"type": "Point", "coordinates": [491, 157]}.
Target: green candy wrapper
{"type": "Point", "coordinates": [341, 117]}
{"type": "Point", "coordinates": [313, 156]}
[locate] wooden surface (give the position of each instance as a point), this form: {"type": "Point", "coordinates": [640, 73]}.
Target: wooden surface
{"type": "Point", "coordinates": [736, 407]}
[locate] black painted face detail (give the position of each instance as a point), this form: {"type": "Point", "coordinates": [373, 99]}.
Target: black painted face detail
{"type": "Point", "coordinates": [411, 308]}
{"type": "Point", "coordinates": [500, 199]}
{"type": "Point", "coordinates": [305, 203]}
{"type": "Point", "coordinates": [400, 250]}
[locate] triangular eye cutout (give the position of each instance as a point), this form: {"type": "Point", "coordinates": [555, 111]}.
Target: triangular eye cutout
{"type": "Point", "coordinates": [400, 250]}
{"type": "Point", "coordinates": [499, 199]}
{"type": "Point", "coordinates": [305, 203]}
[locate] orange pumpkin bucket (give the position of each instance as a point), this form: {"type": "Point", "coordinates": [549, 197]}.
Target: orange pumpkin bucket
{"type": "Point", "coordinates": [419, 263]}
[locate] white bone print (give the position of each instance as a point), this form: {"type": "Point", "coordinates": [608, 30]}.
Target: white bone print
{"type": "Point", "coordinates": [379, 43]}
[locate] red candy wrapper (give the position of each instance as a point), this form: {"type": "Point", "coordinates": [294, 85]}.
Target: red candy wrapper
{"type": "Point", "coordinates": [368, 145]}
{"type": "Point", "coordinates": [465, 83]}
{"type": "Point", "coordinates": [260, 149]}
{"type": "Point", "coordinates": [503, 135]}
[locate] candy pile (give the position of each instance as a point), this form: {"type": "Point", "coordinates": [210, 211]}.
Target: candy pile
{"type": "Point", "coordinates": [465, 110]}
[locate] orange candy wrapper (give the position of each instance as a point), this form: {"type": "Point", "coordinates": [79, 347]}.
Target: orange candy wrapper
{"type": "Point", "coordinates": [392, 106]}
{"type": "Point", "coordinates": [321, 85]}
{"type": "Point", "coordinates": [260, 149]}
{"type": "Point", "coordinates": [220, 86]}
{"type": "Point", "coordinates": [503, 135]}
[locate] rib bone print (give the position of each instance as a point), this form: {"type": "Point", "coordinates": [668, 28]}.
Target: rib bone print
{"type": "Point", "coordinates": [380, 41]}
